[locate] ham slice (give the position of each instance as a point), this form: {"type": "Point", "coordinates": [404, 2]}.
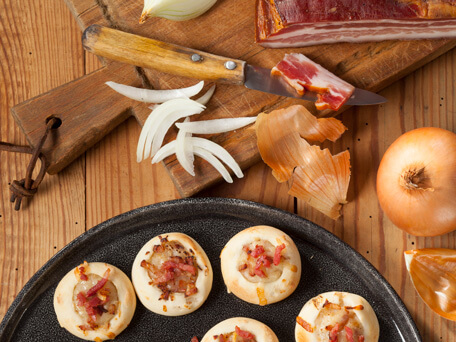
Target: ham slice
{"type": "Point", "coordinates": [293, 23]}
{"type": "Point", "coordinates": [303, 74]}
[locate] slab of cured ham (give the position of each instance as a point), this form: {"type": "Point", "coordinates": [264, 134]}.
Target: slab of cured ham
{"type": "Point", "coordinates": [293, 23]}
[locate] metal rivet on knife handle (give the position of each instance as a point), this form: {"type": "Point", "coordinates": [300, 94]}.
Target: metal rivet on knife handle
{"type": "Point", "coordinates": [196, 58]}
{"type": "Point", "coordinates": [230, 65]}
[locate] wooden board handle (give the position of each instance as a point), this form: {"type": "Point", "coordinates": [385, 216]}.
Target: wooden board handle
{"type": "Point", "coordinates": [149, 53]}
{"type": "Point", "coordinates": [87, 108]}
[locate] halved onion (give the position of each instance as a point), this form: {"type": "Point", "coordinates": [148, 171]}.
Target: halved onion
{"type": "Point", "coordinates": [433, 274]}
{"type": "Point", "coordinates": [317, 177]}
{"type": "Point", "coordinates": [154, 95]}
{"type": "Point", "coordinates": [215, 126]}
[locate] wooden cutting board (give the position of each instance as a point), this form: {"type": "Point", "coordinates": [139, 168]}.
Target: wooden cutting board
{"type": "Point", "coordinates": [89, 109]}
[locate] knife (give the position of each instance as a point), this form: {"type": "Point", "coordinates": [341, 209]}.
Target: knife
{"type": "Point", "coordinates": [178, 60]}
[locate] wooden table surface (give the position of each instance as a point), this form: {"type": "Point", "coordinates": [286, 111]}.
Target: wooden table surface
{"type": "Point", "coordinates": [41, 49]}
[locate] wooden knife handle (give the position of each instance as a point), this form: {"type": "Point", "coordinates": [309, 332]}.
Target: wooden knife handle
{"type": "Point", "coordinates": [149, 53]}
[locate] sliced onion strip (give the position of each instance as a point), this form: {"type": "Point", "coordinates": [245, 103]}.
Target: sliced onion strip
{"type": "Point", "coordinates": [184, 150]}
{"type": "Point", "coordinates": [153, 95]}
{"type": "Point", "coordinates": [209, 157]}
{"type": "Point", "coordinates": [215, 126]}
{"type": "Point", "coordinates": [164, 152]}
{"type": "Point", "coordinates": [204, 99]}
{"type": "Point", "coordinates": [219, 152]}
{"type": "Point", "coordinates": [209, 148]}
{"type": "Point", "coordinates": [161, 118]}
{"type": "Point", "coordinates": [180, 108]}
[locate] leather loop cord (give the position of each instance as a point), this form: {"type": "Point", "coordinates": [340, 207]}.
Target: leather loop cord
{"type": "Point", "coordinates": [27, 187]}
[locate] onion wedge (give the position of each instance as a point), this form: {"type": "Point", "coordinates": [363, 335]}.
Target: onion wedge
{"type": "Point", "coordinates": [433, 274]}
{"type": "Point", "coordinates": [215, 126]}
{"type": "Point", "coordinates": [162, 116]}
{"type": "Point", "coordinates": [153, 95]}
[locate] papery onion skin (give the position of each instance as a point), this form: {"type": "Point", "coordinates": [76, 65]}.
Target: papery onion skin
{"type": "Point", "coordinates": [416, 182]}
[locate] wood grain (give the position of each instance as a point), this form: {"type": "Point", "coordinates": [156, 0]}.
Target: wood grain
{"type": "Point", "coordinates": [371, 66]}
{"type": "Point", "coordinates": [107, 180]}
{"type": "Point", "coordinates": [30, 66]}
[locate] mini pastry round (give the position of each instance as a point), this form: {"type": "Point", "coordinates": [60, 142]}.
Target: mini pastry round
{"type": "Point", "coordinates": [348, 315]}
{"type": "Point", "coordinates": [108, 324]}
{"type": "Point", "coordinates": [250, 269]}
{"type": "Point", "coordinates": [152, 295]}
{"type": "Point", "coordinates": [260, 330]}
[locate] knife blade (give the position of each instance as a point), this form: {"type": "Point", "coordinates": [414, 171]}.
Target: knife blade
{"type": "Point", "coordinates": [178, 60]}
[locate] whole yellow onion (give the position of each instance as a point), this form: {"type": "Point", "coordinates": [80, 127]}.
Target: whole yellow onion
{"type": "Point", "coordinates": [416, 182]}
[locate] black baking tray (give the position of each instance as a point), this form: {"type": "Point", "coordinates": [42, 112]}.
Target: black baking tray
{"type": "Point", "coordinates": [328, 264]}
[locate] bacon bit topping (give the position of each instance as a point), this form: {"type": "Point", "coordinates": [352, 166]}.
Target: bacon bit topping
{"type": "Point", "coordinates": [257, 251]}
{"type": "Point", "coordinates": [100, 284]}
{"type": "Point", "coordinates": [194, 339]}
{"type": "Point", "coordinates": [177, 274]}
{"type": "Point", "coordinates": [93, 302]}
{"type": "Point", "coordinates": [156, 249]}
{"type": "Point", "coordinates": [221, 338]}
{"type": "Point", "coordinates": [263, 260]}
{"type": "Point", "coordinates": [333, 333]}
{"type": "Point", "coordinates": [361, 338]}
{"type": "Point", "coordinates": [242, 267]}
{"type": "Point", "coordinates": [79, 271]}
{"type": "Point", "coordinates": [112, 309]}
{"type": "Point", "coordinates": [349, 334]}
{"type": "Point", "coordinates": [277, 253]}
{"type": "Point", "coordinates": [259, 273]}
{"type": "Point", "coordinates": [304, 324]}
{"type": "Point", "coordinates": [357, 307]}
{"type": "Point", "coordinates": [244, 334]}
{"type": "Point", "coordinates": [82, 275]}
{"type": "Point", "coordinates": [332, 305]}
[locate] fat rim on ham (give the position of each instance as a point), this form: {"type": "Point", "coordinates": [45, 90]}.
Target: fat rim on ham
{"type": "Point", "coordinates": [293, 23]}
